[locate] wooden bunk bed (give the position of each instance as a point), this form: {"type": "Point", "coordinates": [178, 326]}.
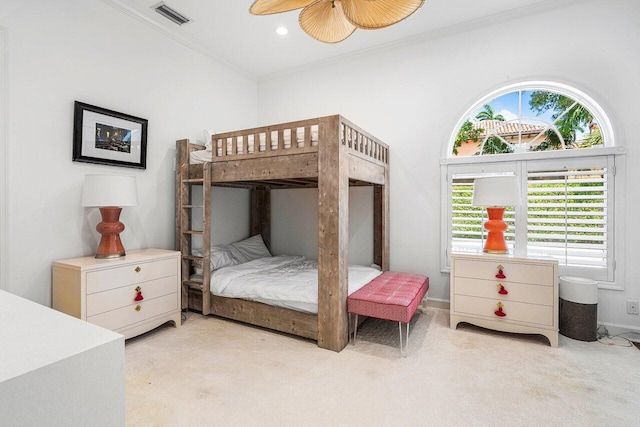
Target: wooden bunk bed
{"type": "Point", "coordinates": [329, 153]}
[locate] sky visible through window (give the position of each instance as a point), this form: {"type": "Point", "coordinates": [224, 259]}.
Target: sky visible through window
{"type": "Point", "coordinates": [507, 106]}
{"type": "Point", "coordinates": [527, 120]}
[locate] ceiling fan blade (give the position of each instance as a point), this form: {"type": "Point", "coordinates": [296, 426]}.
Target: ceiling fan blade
{"type": "Point", "coordinates": [373, 14]}
{"type": "Point", "coordinates": [325, 21]}
{"type": "Point", "coordinates": [268, 7]}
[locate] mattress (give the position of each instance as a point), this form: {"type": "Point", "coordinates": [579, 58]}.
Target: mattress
{"type": "Point", "coordinates": [202, 156]}
{"type": "Point", "coordinates": [282, 281]}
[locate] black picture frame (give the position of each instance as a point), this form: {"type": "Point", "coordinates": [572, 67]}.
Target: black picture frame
{"type": "Point", "coordinates": [108, 137]}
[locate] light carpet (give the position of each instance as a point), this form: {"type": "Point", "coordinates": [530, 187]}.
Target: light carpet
{"type": "Point", "coordinates": [215, 372]}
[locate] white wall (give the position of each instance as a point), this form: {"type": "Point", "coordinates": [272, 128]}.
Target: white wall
{"type": "Point", "coordinates": [294, 223]}
{"type": "Point", "coordinates": [66, 50]}
{"type": "Point", "coordinates": [411, 97]}
{"type": "Point", "coordinates": [230, 213]}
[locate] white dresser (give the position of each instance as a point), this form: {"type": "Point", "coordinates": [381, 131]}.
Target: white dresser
{"type": "Point", "coordinates": [505, 294]}
{"type": "Point", "coordinates": [129, 295]}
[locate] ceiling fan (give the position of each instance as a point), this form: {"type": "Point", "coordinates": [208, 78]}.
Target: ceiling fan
{"type": "Point", "coordinates": [332, 21]}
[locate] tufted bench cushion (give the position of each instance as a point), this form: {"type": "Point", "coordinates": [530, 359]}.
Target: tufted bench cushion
{"type": "Point", "coordinates": [391, 296]}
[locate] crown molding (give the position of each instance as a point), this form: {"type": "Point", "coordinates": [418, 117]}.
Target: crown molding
{"type": "Point", "coordinates": [440, 33]}
{"type": "Point", "coordinates": [137, 14]}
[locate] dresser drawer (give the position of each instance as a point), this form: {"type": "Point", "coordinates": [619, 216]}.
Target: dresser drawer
{"type": "Point", "coordinates": [101, 302]}
{"type": "Point", "coordinates": [515, 311]}
{"type": "Point", "coordinates": [519, 292]}
{"type": "Point", "coordinates": [538, 274]}
{"type": "Point", "coordinates": [102, 280]}
{"type": "Point", "coordinates": [126, 316]}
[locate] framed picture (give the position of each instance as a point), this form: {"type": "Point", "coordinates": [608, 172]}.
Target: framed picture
{"type": "Point", "coordinates": [109, 138]}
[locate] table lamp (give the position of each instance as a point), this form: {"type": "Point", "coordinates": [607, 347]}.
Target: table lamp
{"type": "Point", "coordinates": [109, 193]}
{"type": "Point", "coordinates": [495, 193]}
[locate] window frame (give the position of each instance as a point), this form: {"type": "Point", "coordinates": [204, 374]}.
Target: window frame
{"type": "Point", "coordinates": [606, 128]}
{"type": "Point", "coordinates": [611, 155]}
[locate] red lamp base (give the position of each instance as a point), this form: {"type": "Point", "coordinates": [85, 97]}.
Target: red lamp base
{"type": "Point", "coordinates": [110, 228]}
{"type": "Point", "coordinates": [495, 243]}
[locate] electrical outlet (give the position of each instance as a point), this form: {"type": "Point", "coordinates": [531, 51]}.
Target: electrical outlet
{"type": "Point", "coordinates": [632, 307]}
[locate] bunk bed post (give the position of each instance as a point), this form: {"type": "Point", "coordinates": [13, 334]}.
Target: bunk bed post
{"type": "Point", "coordinates": [261, 214]}
{"type": "Point", "coordinates": [206, 238]}
{"type": "Point", "coordinates": [333, 236]}
{"type": "Point", "coordinates": [181, 172]}
{"type": "Point", "coordinates": [182, 215]}
{"type": "Point", "coordinates": [381, 223]}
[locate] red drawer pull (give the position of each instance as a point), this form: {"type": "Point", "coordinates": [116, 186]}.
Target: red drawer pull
{"type": "Point", "coordinates": [502, 290]}
{"type": "Point", "coordinates": [139, 296]}
{"type": "Point", "coordinates": [500, 274]}
{"type": "Point", "coordinates": [499, 311]}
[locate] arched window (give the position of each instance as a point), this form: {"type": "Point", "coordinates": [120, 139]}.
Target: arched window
{"type": "Point", "coordinates": [560, 144]}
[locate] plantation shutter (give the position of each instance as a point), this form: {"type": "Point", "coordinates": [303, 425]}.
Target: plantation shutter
{"type": "Point", "coordinates": [568, 216]}
{"type": "Point", "coordinates": [467, 231]}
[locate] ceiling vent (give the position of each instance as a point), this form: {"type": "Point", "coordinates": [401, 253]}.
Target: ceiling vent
{"type": "Point", "coordinates": [170, 14]}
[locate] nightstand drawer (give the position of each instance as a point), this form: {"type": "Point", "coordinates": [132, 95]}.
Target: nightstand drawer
{"type": "Point", "coordinates": [127, 316]}
{"type": "Point", "coordinates": [521, 273]}
{"type": "Point", "coordinates": [101, 302]}
{"type": "Point", "coordinates": [518, 292]}
{"type": "Point", "coordinates": [102, 280]}
{"type": "Point", "coordinates": [515, 311]}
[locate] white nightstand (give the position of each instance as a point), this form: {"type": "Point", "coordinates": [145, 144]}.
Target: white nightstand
{"type": "Point", "coordinates": [506, 294]}
{"type": "Point", "coordinates": [129, 295]}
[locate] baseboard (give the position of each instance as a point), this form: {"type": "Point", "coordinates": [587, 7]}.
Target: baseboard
{"type": "Point", "coordinates": [632, 333]}
{"type": "Point", "coordinates": [438, 303]}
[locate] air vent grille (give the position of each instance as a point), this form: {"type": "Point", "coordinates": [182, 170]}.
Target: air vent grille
{"type": "Point", "coordinates": [171, 14]}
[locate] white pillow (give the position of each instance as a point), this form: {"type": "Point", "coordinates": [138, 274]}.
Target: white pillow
{"type": "Point", "coordinates": [249, 249]}
{"type": "Point", "coordinates": [207, 139]}
{"type": "Point", "coordinates": [221, 256]}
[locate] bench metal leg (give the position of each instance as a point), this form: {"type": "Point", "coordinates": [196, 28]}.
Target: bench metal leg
{"type": "Point", "coordinates": [406, 346]}
{"type": "Point", "coordinates": [355, 329]}
{"type": "Point", "coordinates": [424, 302]}
{"type": "Point", "coordinates": [403, 349]}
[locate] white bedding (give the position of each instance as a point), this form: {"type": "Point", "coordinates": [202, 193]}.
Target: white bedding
{"type": "Point", "coordinates": [283, 281]}
{"type": "Point", "coordinates": [200, 156]}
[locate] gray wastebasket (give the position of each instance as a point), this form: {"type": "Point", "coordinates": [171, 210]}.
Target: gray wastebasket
{"type": "Point", "coordinates": [578, 308]}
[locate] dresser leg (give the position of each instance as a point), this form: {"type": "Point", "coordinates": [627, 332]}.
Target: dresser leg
{"type": "Point", "coordinates": [453, 323]}
{"type": "Point", "coordinates": [553, 338]}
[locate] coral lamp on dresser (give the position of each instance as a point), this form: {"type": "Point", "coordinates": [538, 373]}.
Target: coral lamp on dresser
{"type": "Point", "coordinates": [129, 295]}
{"type": "Point", "coordinates": [505, 293]}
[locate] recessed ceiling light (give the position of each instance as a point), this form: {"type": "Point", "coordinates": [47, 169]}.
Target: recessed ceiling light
{"type": "Point", "coordinates": [282, 31]}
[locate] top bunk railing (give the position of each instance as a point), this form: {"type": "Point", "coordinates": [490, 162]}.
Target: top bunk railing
{"type": "Point", "coordinates": [363, 142]}
{"type": "Point", "coordinates": [294, 138]}
{"type": "Point", "coordinates": [281, 139]}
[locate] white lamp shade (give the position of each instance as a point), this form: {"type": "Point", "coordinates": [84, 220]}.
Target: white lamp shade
{"type": "Point", "coordinates": [109, 190]}
{"type": "Point", "coordinates": [496, 191]}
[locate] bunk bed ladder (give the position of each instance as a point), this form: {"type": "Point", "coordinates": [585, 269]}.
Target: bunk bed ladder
{"type": "Point", "coordinates": [188, 229]}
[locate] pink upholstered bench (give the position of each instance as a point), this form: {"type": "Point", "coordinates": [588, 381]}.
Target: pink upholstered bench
{"type": "Point", "coordinates": [391, 296]}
